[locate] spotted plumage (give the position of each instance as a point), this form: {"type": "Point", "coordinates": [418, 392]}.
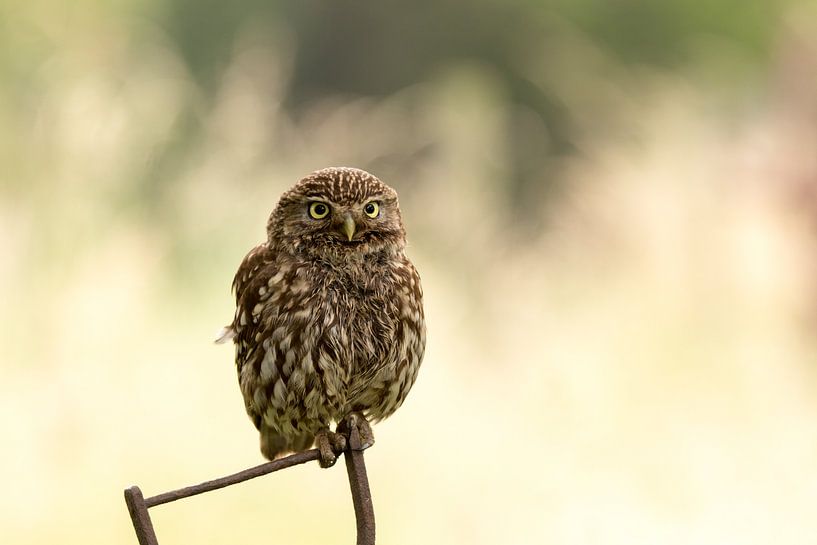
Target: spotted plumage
{"type": "Point", "coordinates": [329, 317]}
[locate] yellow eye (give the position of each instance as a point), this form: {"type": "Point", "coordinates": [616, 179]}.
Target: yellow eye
{"type": "Point", "coordinates": [372, 209]}
{"type": "Point", "coordinates": [318, 210]}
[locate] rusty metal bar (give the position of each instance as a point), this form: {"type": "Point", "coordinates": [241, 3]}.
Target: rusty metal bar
{"type": "Point", "coordinates": [139, 515]}
{"type": "Point", "coordinates": [359, 485]}
{"type": "Point", "coordinates": [235, 478]}
{"type": "Point", "coordinates": [355, 468]}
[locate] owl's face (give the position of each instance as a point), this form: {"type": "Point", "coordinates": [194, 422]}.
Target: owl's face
{"type": "Point", "coordinates": [337, 211]}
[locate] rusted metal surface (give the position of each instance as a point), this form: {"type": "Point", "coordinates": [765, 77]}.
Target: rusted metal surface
{"type": "Point", "coordinates": [359, 485]}
{"type": "Point", "coordinates": [355, 467]}
{"type": "Point", "coordinates": [235, 478]}
{"type": "Point", "coordinates": [139, 515]}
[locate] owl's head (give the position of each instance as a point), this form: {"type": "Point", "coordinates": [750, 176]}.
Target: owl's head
{"type": "Point", "coordinates": [340, 211]}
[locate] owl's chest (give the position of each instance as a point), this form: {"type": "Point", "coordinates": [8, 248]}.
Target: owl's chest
{"type": "Point", "coordinates": [337, 317]}
{"type": "Point", "coordinates": [355, 317]}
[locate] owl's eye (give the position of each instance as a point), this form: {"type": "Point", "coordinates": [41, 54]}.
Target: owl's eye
{"type": "Point", "coordinates": [318, 210]}
{"type": "Point", "coordinates": [372, 209]}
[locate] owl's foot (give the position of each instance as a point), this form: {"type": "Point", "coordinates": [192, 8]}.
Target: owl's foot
{"type": "Point", "coordinates": [357, 421]}
{"type": "Point", "coordinates": [330, 445]}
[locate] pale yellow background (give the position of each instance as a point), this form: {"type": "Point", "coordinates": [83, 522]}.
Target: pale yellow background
{"type": "Point", "coordinates": [639, 367]}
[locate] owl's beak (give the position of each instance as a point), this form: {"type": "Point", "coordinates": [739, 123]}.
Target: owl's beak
{"type": "Point", "coordinates": [348, 226]}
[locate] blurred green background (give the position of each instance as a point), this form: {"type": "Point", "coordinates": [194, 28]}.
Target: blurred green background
{"type": "Point", "coordinates": [613, 206]}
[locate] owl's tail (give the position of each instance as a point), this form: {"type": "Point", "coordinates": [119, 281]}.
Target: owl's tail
{"type": "Point", "coordinates": [275, 445]}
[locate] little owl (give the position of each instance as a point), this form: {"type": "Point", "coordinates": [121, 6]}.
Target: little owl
{"type": "Point", "coordinates": [329, 324]}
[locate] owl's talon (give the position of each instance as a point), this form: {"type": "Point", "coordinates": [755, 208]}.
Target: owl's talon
{"type": "Point", "coordinates": [364, 430]}
{"type": "Point", "coordinates": [330, 445]}
{"type": "Point", "coordinates": [338, 442]}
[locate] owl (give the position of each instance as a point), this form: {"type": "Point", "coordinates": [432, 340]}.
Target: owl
{"type": "Point", "coordinates": [329, 324]}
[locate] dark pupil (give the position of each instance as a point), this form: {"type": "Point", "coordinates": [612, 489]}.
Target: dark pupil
{"type": "Point", "coordinates": [370, 208]}
{"type": "Point", "coordinates": [320, 209]}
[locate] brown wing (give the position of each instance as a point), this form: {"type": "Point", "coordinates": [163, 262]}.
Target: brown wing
{"type": "Point", "coordinates": [253, 274]}
{"type": "Point", "coordinates": [253, 262]}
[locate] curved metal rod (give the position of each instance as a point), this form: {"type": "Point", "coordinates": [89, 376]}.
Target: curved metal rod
{"type": "Point", "coordinates": [235, 478]}
{"type": "Point", "coordinates": [359, 485]}
{"type": "Point", "coordinates": [355, 467]}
